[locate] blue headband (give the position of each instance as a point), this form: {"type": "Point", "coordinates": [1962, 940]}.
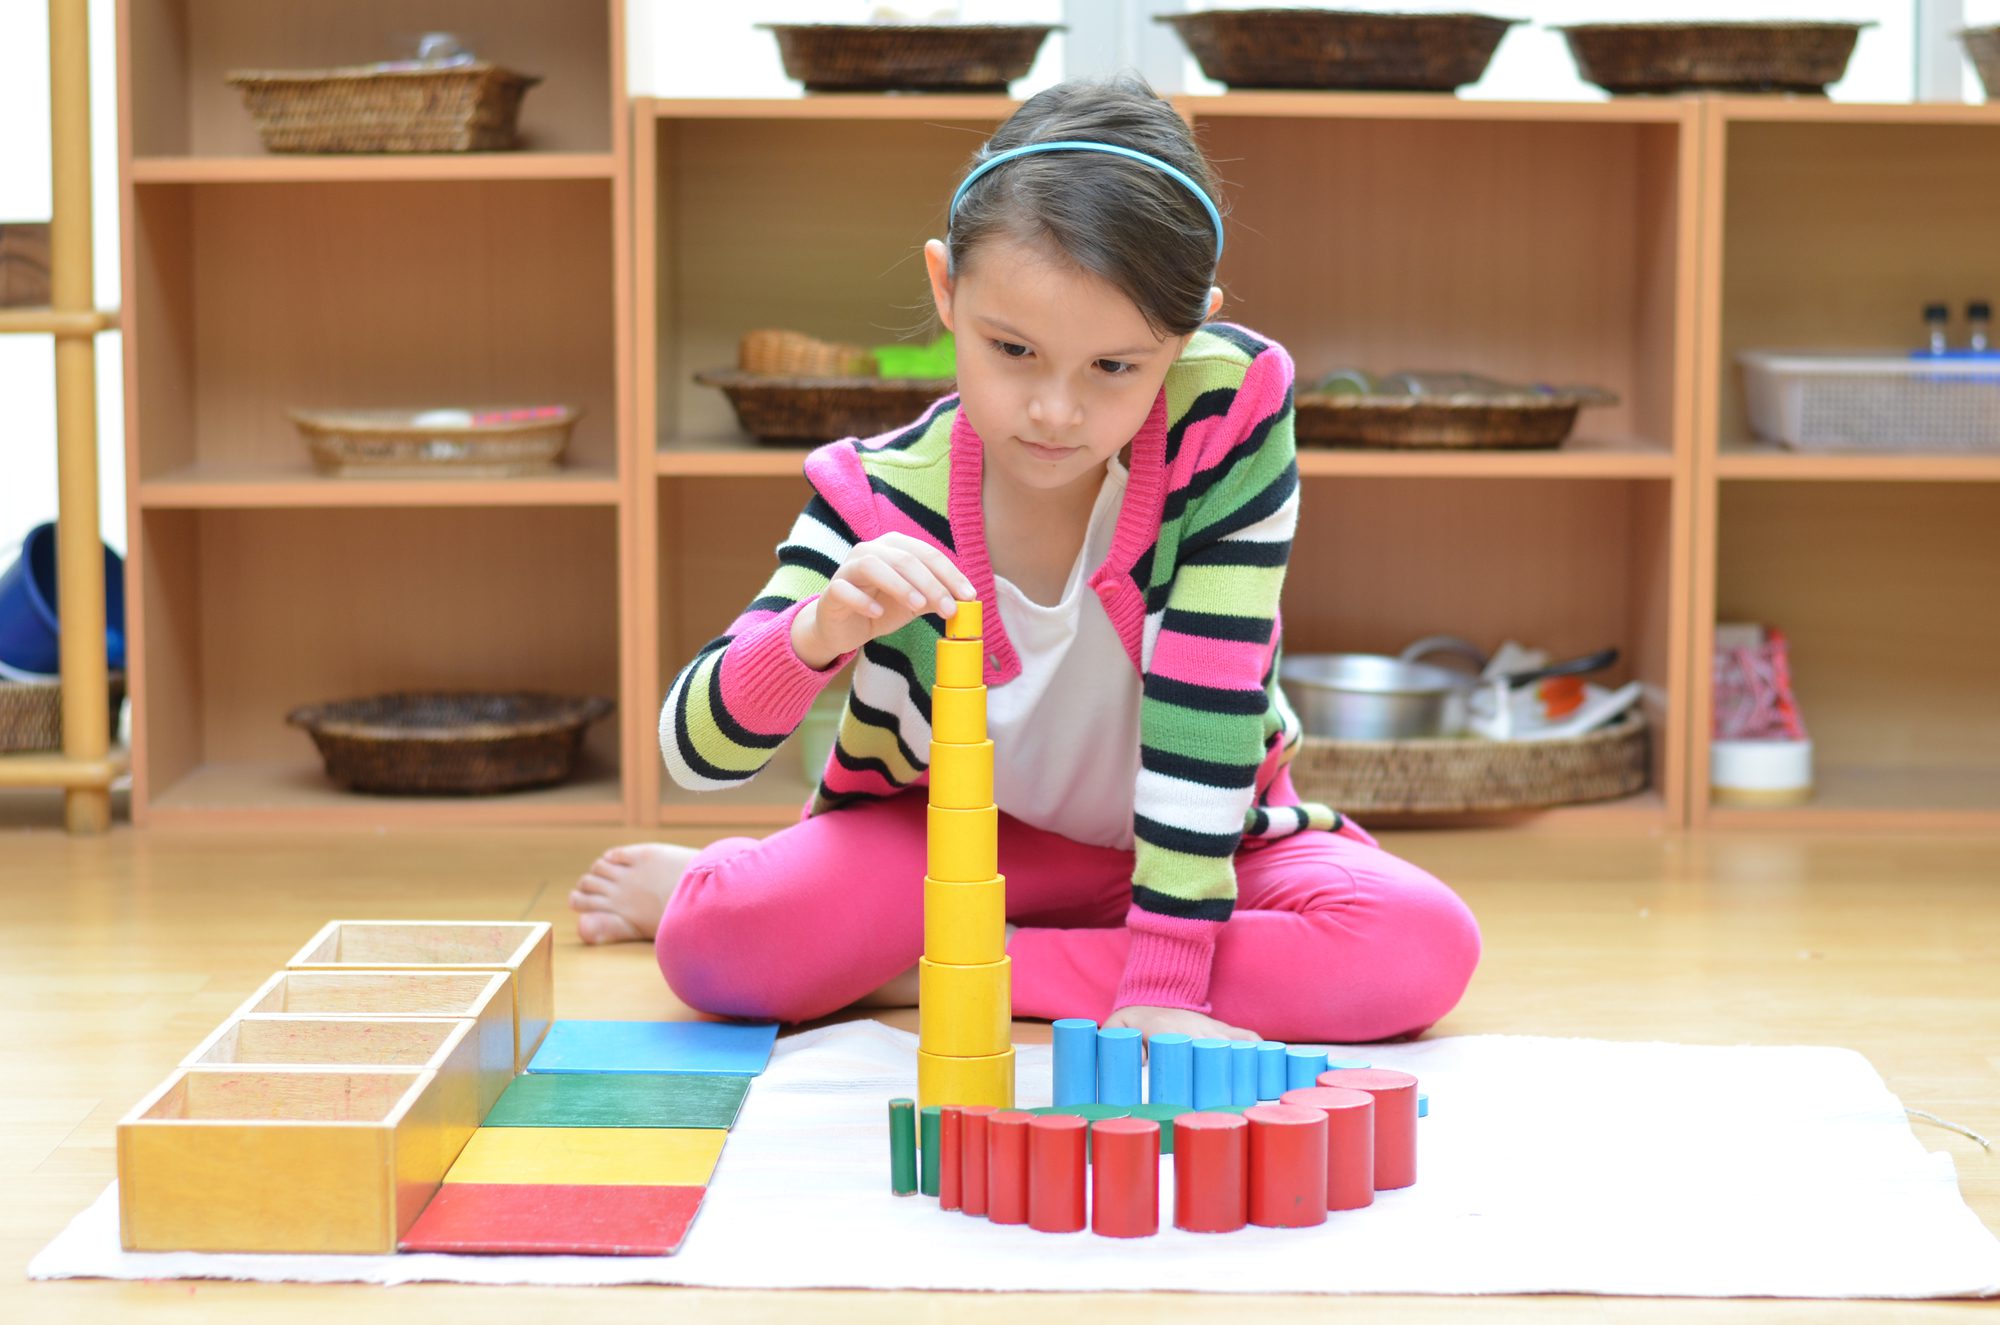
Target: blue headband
{"type": "Point", "coordinates": [1113, 149]}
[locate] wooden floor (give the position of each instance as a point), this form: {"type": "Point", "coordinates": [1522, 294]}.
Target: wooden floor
{"type": "Point", "coordinates": [117, 954]}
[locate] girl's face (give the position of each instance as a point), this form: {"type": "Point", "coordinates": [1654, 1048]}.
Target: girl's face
{"type": "Point", "coordinates": [1057, 368]}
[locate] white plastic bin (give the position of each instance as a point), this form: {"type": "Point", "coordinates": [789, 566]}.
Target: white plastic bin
{"type": "Point", "coordinates": [1814, 400]}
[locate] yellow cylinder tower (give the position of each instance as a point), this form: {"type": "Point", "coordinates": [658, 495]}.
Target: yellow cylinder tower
{"type": "Point", "coordinates": [965, 1008]}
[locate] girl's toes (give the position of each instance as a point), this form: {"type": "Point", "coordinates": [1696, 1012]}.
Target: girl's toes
{"type": "Point", "coordinates": [605, 927]}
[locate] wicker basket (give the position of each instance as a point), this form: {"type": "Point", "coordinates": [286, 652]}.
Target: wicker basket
{"type": "Point", "coordinates": [1982, 47]}
{"type": "Point", "coordinates": [1325, 48]}
{"type": "Point", "coordinates": [1722, 57]}
{"type": "Point", "coordinates": [1482, 422]}
{"type": "Point", "coordinates": [456, 108]}
{"type": "Point", "coordinates": [391, 444]}
{"type": "Point", "coordinates": [793, 410]}
{"type": "Point", "coordinates": [1468, 776]}
{"type": "Point", "coordinates": [908, 57]}
{"type": "Point", "coordinates": [449, 744]}
{"type": "Point", "coordinates": [31, 714]}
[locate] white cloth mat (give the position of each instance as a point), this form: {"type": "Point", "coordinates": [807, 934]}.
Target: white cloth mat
{"type": "Point", "coordinates": [1573, 1166]}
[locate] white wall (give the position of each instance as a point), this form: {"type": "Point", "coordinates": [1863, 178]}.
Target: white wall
{"type": "Point", "coordinates": [705, 48]}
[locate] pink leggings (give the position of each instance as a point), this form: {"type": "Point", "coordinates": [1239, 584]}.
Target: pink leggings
{"type": "Point", "coordinates": [1333, 938]}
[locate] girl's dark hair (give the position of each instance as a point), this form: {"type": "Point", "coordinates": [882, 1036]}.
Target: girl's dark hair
{"type": "Point", "coordinates": [1127, 222]}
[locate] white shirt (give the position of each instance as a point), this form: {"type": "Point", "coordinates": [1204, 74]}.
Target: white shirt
{"type": "Point", "coordinates": [1066, 730]}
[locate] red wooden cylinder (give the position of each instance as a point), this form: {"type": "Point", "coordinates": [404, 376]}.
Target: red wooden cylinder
{"type": "Point", "coordinates": [972, 1181]}
{"type": "Point", "coordinates": [1395, 1120]}
{"type": "Point", "coordinates": [1350, 1142]}
{"type": "Point", "coordinates": [1125, 1177]}
{"type": "Point", "coordinates": [1211, 1172]}
{"type": "Point", "coordinates": [951, 1155]}
{"type": "Point", "coordinates": [1287, 1165]}
{"type": "Point", "coordinates": [1007, 1166]}
{"type": "Point", "coordinates": [1055, 1173]}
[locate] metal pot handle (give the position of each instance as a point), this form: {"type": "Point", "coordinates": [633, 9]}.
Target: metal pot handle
{"type": "Point", "coordinates": [1447, 644]}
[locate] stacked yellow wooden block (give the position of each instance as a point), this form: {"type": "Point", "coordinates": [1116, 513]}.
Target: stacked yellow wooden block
{"type": "Point", "coordinates": [965, 993]}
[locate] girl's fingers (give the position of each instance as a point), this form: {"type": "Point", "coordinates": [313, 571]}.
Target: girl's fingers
{"type": "Point", "coordinates": [852, 596]}
{"type": "Point", "coordinates": [949, 577]}
{"type": "Point", "coordinates": [927, 590]}
{"type": "Point", "coordinates": [878, 575]}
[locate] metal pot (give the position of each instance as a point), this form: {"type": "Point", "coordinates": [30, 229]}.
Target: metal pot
{"type": "Point", "coordinates": [1372, 697]}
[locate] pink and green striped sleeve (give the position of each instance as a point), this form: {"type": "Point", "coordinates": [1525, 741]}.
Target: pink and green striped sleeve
{"type": "Point", "coordinates": [1203, 717]}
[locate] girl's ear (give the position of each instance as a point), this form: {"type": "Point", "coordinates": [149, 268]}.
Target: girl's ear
{"type": "Point", "coordinates": [937, 261]}
{"type": "Point", "coordinates": [1214, 300]}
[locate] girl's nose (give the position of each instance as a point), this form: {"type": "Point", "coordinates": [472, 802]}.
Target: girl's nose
{"type": "Point", "coordinates": [1053, 410]}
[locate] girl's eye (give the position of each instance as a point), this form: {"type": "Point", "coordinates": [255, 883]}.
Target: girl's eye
{"type": "Point", "coordinates": [1010, 349]}
{"type": "Point", "coordinates": [1114, 367]}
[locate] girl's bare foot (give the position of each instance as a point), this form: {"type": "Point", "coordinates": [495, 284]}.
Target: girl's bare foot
{"type": "Point", "coordinates": [622, 896]}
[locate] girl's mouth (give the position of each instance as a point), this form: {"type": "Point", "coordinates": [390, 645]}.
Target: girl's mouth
{"type": "Point", "coordinates": [1042, 452]}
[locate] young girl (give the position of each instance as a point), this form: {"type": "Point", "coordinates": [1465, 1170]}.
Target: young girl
{"type": "Point", "coordinates": [1115, 482]}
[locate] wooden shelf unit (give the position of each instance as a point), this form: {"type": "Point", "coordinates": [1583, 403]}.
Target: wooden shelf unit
{"type": "Point", "coordinates": [1830, 225]}
{"type": "Point", "coordinates": [259, 283]}
{"type": "Point", "coordinates": [1545, 242]}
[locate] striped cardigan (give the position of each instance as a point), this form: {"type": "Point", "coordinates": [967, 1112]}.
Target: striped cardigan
{"type": "Point", "coordinates": [1191, 583]}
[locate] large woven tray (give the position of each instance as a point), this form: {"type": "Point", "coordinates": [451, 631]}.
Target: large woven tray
{"type": "Point", "coordinates": [1466, 776]}
{"type": "Point", "coordinates": [31, 713]}
{"type": "Point", "coordinates": [908, 57]}
{"type": "Point", "coordinates": [1521, 422]}
{"type": "Point", "coordinates": [1324, 48]}
{"type": "Point", "coordinates": [1722, 57]}
{"type": "Point", "coordinates": [457, 108]}
{"type": "Point", "coordinates": [391, 444]}
{"type": "Point", "coordinates": [805, 410]}
{"type": "Point", "coordinates": [449, 743]}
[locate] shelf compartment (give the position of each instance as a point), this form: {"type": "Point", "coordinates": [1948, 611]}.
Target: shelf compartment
{"type": "Point", "coordinates": [418, 294]}
{"type": "Point", "coordinates": [245, 614]}
{"type": "Point", "coordinates": [1836, 228]}
{"type": "Point", "coordinates": [1877, 587]}
{"type": "Point", "coordinates": [1544, 249]}
{"type": "Point", "coordinates": [179, 51]}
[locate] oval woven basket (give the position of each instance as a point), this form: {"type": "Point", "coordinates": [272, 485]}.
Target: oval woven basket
{"type": "Point", "coordinates": [1523, 421]}
{"type": "Point", "coordinates": [908, 57]}
{"type": "Point", "coordinates": [806, 410]}
{"type": "Point", "coordinates": [449, 743]}
{"type": "Point", "coordinates": [456, 108]}
{"type": "Point", "coordinates": [1463, 776]}
{"type": "Point", "coordinates": [1628, 58]}
{"type": "Point", "coordinates": [391, 444]}
{"type": "Point", "coordinates": [1328, 48]}
{"type": "Point", "coordinates": [31, 713]}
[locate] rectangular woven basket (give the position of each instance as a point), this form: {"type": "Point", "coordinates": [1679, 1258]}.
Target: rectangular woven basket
{"type": "Point", "coordinates": [31, 714]}
{"type": "Point", "coordinates": [366, 108]}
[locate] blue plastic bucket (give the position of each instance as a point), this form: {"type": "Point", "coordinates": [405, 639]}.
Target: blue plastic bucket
{"type": "Point", "coordinates": [30, 636]}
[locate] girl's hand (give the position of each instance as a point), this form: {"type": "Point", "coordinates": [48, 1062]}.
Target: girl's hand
{"type": "Point", "coordinates": [882, 585]}
{"type": "Point", "coordinates": [1162, 1021]}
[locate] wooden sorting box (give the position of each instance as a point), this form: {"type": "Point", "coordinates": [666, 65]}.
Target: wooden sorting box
{"type": "Point", "coordinates": [524, 950]}
{"type": "Point", "coordinates": [483, 997]}
{"type": "Point", "coordinates": [447, 1046]}
{"type": "Point", "coordinates": [283, 1159]}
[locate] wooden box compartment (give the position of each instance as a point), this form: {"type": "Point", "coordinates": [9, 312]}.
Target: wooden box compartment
{"type": "Point", "coordinates": [447, 1046]}
{"type": "Point", "coordinates": [483, 997]}
{"type": "Point", "coordinates": [466, 598]}
{"type": "Point", "coordinates": [526, 951]}
{"type": "Point", "coordinates": [283, 1159]}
